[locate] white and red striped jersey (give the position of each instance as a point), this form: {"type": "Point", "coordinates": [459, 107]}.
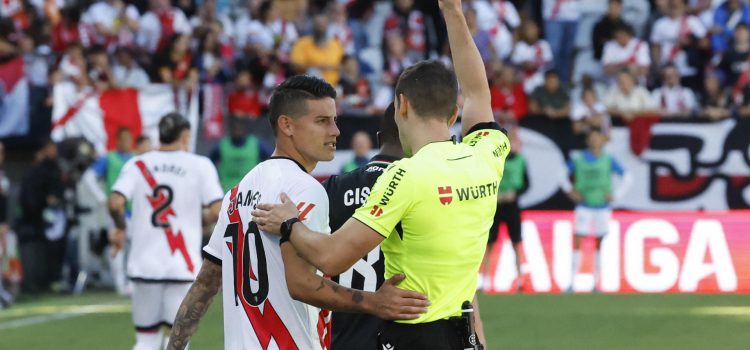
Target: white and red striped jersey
{"type": "Point", "coordinates": [259, 313]}
{"type": "Point", "coordinates": [168, 191]}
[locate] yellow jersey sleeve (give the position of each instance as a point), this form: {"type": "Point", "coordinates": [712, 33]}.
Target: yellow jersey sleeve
{"type": "Point", "coordinates": [489, 138]}
{"type": "Point", "coordinates": [390, 199]}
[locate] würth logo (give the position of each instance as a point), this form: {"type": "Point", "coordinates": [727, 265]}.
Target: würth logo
{"type": "Point", "coordinates": [446, 195]}
{"type": "Point", "coordinates": [376, 211]}
{"type": "Point", "coordinates": [307, 210]}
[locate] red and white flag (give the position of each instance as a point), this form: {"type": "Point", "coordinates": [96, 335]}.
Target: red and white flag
{"type": "Point", "coordinates": [97, 116]}
{"type": "Point", "coordinates": [14, 99]}
{"type": "Point", "coordinates": [213, 114]}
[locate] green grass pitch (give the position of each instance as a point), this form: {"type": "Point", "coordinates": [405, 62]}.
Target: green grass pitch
{"type": "Point", "coordinates": [102, 321]}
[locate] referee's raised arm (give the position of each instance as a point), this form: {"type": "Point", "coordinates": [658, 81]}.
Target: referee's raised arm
{"type": "Point", "coordinates": [469, 67]}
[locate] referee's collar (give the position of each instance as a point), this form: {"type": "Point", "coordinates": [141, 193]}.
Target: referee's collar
{"type": "Point", "coordinates": [382, 158]}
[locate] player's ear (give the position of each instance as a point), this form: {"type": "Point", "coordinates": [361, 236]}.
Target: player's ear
{"type": "Point", "coordinates": [403, 106]}
{"type": "Point", "coordinates": [285, 125]}
{"type": "Point", "coordinates": [454, 116]}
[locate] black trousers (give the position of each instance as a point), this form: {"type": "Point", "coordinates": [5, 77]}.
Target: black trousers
{"type": "Point", "coordinates": [437, 335]}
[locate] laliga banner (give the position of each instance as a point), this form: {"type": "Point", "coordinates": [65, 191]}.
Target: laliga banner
{"type": "Point", "coordinates": [646, 252]}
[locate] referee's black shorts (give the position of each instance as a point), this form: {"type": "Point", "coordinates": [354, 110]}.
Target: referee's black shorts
{"type": "Point", "coordinates": [510, 214]}
{"type": "Point", "coordinates": [437, 335]}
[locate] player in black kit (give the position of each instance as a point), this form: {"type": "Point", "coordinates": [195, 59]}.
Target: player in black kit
{"type": "Point", "coordinates": [346, 193]}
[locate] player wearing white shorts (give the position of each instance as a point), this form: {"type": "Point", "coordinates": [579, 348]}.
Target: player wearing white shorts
{"type": "Point", "coordinates": [592, 170]}
{"type": "Point", "coordinates": [169, 189]}
{"type": "Point", "coordinates": [266, 285]}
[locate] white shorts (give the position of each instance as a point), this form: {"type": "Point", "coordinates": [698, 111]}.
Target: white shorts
{"type": "Point", "coordinates": [594, 220]}
{"type": "Point", "coordinates": [156, 304]}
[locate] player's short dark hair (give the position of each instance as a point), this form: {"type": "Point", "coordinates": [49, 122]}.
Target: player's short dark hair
{"type": "Point", "coordinates": [388, 128]}
{"type": "Point", "coordinates": [171, 126]}
{"type": "Point", "coordinates": [290, 98]}
{"type": "Point", "coordinates": [430, 87]}
{"type": "Point", "coordinates": [141, 139]}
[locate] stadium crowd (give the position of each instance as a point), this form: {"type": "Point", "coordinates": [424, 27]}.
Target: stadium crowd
{"type": "Point", "coordinates": [594, 63]}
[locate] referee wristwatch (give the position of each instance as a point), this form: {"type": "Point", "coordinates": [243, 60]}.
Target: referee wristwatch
{"type": "Point", "coordinates": [286, 229]}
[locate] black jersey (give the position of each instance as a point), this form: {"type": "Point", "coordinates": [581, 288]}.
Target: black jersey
{"type": "Point", "coordinates": [346, 193]}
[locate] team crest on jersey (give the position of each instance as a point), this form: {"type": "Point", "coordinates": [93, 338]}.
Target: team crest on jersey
{"type": "Point", "coordinates": [446, 195]}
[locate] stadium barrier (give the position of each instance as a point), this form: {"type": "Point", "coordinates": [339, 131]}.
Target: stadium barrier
{"type": "Point", "coordinates": [645, 252]}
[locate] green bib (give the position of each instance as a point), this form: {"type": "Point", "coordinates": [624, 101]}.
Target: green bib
{"type": "Point", "coordinates": [115, 162]}
{"type": "Point", "coordinates": [593, 180]}
{"type": "Point", "coordinates": [515, 168]}
{"type": "Point", "coordinates": [349, 166]}
{"type": "Point", "coordinates": [235, 162]}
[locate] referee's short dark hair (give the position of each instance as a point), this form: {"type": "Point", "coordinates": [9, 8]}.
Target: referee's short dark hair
{"type": "Point", "coordinates": [290, 97]}
{"type": "Point", "coordinates": [430, 87]}
{"type": "Point", "coordinates": [171, 127]}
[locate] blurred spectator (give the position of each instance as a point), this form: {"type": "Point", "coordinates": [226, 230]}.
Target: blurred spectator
{"type": "Point", "coordinates": [407, 22]}
{"type": "Point", "coordinates": [174, 64]}
{"type": "Point", "coordinates": [384, 93]}
{"type": "Point", "coordinates": [161, 23]}
{"type": "Point", "coordinates": [355, 94]}
{"type": "Point", "coordinates": [676, 39]}
{"type": "Point", "coordinates": [509, 103]}
{"type": "Point", "coordinates": [736, 60]}
{"type": "Point", "coordinates": [604, 29]}
{"type": "Point", "coordinates": [339, 27]}
{"type": "Point", "coordinates": [726, 18]}
{"type": "Point", "coordinates": [395, 59]}
{"type": "Point", "coordinates": [627, 100]}
{"type": "Point", "coordinates": [37, 54]}
{"type": "Point", "coordinates": [625, 52]}
{"type": "Point", "coordinates": [482, 38]}
{"type": "Point", "coordinates": [359, 13]}
{"type": "Point", "coordinates": [274, 76]}
{"type": "Point", "coordinates": [500, 19]}
{"type": "Point", "coordinates": [268, 33]}
{"type": "Point", "coordinates": [361, 145]}
{"type": "Point", "coordinates": [73, 67]}
{"type": "Point", "coordinates": [496, 15]}
{"type": "Point", "coordinates": [550, 100]}
{"type": "Point", "coordinates": [69, 30]}
{"type": "Point", "coordinates": [238, 153]}
{"type": "Point", "coordinates": [318, 54]}
{"type": "Point", "coordinates": [108, 167]}
{"type": "Point", "coordinates": [532, 55]}
{"type": "Point", "coordinates": [590, 114]}
{"type": "Point", "coordinates": [126, 71]}
{"type": "Point", "coordinates": [560, 25]}
{"type": "Point", "coordinates": [38, 226]}
{"type": "Point", "coordinates": [208, 60]}
{"type": "Point", "coordinates": [714, 100]}
{"type": "Point", "coordinates": [143, 145]}
{"type": "Point", "coordinates": [100, 71]}
{"type": "Point", "coordinates": [113, 22]}
{"type": "Point", "coordinates": [674, 99]}
{"type": "Point", "coordinates": [244, 101]}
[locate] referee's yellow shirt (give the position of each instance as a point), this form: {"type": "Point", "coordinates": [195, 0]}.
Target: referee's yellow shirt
{"type": "Point", "coordinates": [435, 210]}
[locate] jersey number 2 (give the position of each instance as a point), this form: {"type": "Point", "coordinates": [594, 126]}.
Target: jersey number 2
{"type": "Point", "coordinates": [243, 268]}
{"type": "Point", "coordinates": [161, 201]}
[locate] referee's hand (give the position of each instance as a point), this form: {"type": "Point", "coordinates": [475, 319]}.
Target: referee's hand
{"type": "Point", "coordinates": [392, 303]}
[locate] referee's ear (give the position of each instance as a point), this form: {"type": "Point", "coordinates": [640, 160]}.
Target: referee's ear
{"type": "Point", "coordinates": [454, 117]}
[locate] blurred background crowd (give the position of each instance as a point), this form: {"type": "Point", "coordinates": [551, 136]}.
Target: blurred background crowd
{"type": "Point", "coordinates": [581, 64]}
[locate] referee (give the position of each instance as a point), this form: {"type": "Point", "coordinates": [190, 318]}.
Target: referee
{"type": "Point", "coordinates": [432, 211]}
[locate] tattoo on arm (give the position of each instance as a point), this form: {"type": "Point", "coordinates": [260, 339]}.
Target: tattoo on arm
{"type": "Point", "coordinates": [118, 216]}
{"type": "Point", "coordinates": [195, 304]}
